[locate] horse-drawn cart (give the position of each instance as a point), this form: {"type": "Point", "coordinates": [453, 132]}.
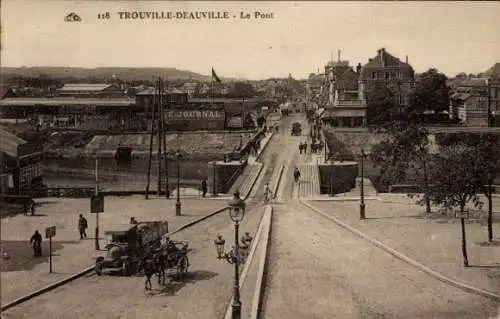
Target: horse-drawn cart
{"type": "Point", "coordinates": [176, 259]}
{"type": "Point", "coordinates": [129, 245]}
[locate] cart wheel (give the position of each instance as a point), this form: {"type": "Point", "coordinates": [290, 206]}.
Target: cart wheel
{"type": "Point", "coordinates": [182, 266]}
{"type": "Point", "coordinates": [98, 268]}
{"type": "Point", "coordinates": [126, 268]}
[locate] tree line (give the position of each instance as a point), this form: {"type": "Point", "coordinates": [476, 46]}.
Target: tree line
{"type": "Point", "coordinates": [464, 167]}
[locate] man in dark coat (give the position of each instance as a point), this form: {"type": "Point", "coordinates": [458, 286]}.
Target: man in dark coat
{"type": "Point", "coordinates": [204, 187]}
{"type": "Point", "coordinates": [36, 242]}
{"type": "Point", "coordinates": [82, 227]}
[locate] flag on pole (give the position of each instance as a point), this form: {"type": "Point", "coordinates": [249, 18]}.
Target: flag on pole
{"type": "Point", "coordinates": [214, 75]}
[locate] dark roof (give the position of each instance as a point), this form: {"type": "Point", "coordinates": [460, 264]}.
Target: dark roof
{"type": "Point", "coordinates": [6, 91]}
{"type": "Point", "coordinates": [152, 91]}
{"type": "Point", "coordinates": [460, 96]}
{"type": "Point", "coordinates": [473, 82]}
{"type": "Point", "coordinates": [86, 87]}
{"type": "Point", "coordinates": [385, 59]}
{"type": "Point", "coordinates": [9, 143]}
{"type": "Point", "coordinates": [66, 101]}
{"type": "Point", "coordinates": [494, 71]}
{"type": "Point", "coordinates": [348, 80]}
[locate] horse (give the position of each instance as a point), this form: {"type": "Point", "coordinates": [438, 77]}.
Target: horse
{"type": "Point", "coordinates": [149, 270]}
{"type": "Point", "coordinates": [160, 260]}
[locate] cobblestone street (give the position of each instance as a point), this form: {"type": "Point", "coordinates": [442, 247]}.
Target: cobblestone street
{"type": "Point", "coordinates": [23, 273]}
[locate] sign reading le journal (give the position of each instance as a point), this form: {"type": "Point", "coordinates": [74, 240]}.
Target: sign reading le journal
{"type": "Point", "coordinates": [194, 115]}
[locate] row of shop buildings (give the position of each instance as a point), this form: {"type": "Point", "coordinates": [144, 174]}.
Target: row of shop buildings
{"type": "Point", "coordinates": [96, 107]}
{"type": "Point", "coordinates": [340, 93]}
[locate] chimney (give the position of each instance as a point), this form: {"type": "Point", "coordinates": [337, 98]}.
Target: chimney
{"type": "Point", "coordinates": [406, 60]}
{"type": "Point", "coordinates": [381, 54]}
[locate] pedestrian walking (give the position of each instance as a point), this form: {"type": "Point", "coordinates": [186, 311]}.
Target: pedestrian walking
{"type": "Point", "coordinates": [300, 148]}
{"type": "Point", "coordinates": [204, 188]}
{"type": "Point", "coordinates": [36, 242]}
{"type": "Point", "coordinates": [82, 227]}
{"type": "Point", "coordinates": [305, 147]}
{"type": "Point", "coordinates": [296, 174]}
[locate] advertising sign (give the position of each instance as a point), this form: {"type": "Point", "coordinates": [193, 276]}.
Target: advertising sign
{"type": "Point", "coordinates": [190, 115]}
{"type": "Point", "coordinates": [97, 204]}
{"type": "Point", "coordinates": [236, 121]}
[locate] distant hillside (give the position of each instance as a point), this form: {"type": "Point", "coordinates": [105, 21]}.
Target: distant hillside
{"type": "Point", "coordinates": [126, 74]}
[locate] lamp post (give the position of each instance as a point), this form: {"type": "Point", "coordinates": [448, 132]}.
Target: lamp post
{"type": "Point", "coordinates": [362, 202]}
{"type": "Point", "coordinates": [239, 252]}
{"type": "Point", "coordinates": [178, 202]}
{"type": "Point", "coordinates": [332, 162]}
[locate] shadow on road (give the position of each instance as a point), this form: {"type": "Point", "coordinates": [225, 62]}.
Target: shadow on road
{"type": "Point", "coordinates": [20, 254]}
{"type": "Point", "coordinates": [174, 285]}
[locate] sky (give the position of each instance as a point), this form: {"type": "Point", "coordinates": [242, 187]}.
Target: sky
{"type": "Point", "coordinates": [299, 38]}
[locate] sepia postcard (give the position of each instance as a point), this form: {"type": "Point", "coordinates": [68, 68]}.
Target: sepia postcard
{"type": "Point", "coordinates": [250, 159]}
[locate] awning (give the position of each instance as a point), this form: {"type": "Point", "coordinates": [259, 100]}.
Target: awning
{"type": "Point", "coordinates": [460, 96]}
{"type": "Point", "coordinates": [336, 113]}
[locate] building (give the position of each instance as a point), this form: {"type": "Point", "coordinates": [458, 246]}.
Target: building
{"type": "Point", "coordinates": [346, 106]}
{"type": "Point", "coordinates": [82, 113]}
{"type": "Point", "coordinates": [386, 70]}
{"type": "Point", "coordinates": [191, 88]}
{"type": "Point", "coordinates": [469, 102]}
{"type": "Point", "coordinates": [20, 165]}
{"type": "Point", "coordinates": [85, 90]}
{"type": "Point", "coordinates": [475, 101]}
{"type": "Point", "coordinates": [344, 92]}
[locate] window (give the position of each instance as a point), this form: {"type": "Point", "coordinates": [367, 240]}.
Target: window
{"type": "Point", "coordinates": [386, 75]}
{"type": "Point", "coordinates": [373, 75]}
{"type": "Point", "coordinates": [400, 99]}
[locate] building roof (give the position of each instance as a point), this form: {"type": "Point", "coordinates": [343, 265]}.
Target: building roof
{"type": "Point", "coordinates": [477, 82]}
{"type": "Point", "coordinates": [494, 71]}
{"type": "Point", "coordinates": [348, 80]}
{"type": "Point", "coordinates": [384, 59]}
{"type": "Point", "coordinates": [9, 143]}
{"type": "Point", "coordinates": [4, 91]}
{"type": "Point", "coordinates": [85, 87]}
{"type": "Point", "coordinates": [153, 91]}
{"type": "Point", "coordinates": [460, 96]}
{"type": "Point", "coordinates": [66, 101]}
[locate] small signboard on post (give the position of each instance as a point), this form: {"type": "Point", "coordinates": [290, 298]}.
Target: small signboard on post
{"type": "Point", "coordinates": [49, 233]}
{"type": "Point", "coordinates": [464, 214]}
{"type": "Point", "coordinates": [97, 204]}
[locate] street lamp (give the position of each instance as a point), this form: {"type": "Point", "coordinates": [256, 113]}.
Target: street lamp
{"type": "Point", "coordinates": [178, 202]}
{"type": "Point", "coordinates": [237, 255]}
{"type": "Point", "coordinates": [362, 202]}
{"type": "Point", "coordinates": [332, 162]}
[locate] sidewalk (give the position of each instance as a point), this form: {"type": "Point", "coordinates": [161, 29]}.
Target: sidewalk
{"type": "Point", "coordinates": [435, 243]}
{"type": "Point", "coordinates": [22, 273]}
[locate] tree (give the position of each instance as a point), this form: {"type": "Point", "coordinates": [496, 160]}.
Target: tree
{"type": "Point", "coordinates": [241, 90]}
{"type": "Point", "coordinates": [486, 147]}
{"type": "Point", "coordinates": [456, 183]}
{"type": "Point", "coordinates": [488, 161]}
{"type": "Point", "coordinates": [405, 148]}
{"type": "Point", "coordinates": [381, 108]}
{"type": "Point", "coordinates": [431, 93]}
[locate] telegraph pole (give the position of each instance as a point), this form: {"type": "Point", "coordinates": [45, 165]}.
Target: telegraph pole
{"type": "Point", "coordinates": [153, 117]}
{"type": "Point", "coordinates": [160, 132]}
{"type": "Point", "coordinates": [163, 126]}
